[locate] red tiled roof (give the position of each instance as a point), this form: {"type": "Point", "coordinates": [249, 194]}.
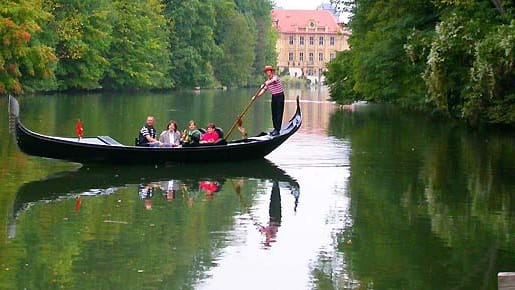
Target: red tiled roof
{"type": "Point", "coordinates": [287, 21]}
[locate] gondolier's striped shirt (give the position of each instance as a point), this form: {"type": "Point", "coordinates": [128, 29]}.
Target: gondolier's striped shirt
{"type": "Point", "coordinates": [274, 85]}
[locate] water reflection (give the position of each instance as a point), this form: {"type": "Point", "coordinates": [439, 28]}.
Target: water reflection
{"type": "Point", "coordinates": [429, 199]}
{"type": "Point", "coordinates": [188, 183]}
{"type": "Point", "coordinates": [390, 200]}
{"type": "Point", "coordinates": [173, 219]}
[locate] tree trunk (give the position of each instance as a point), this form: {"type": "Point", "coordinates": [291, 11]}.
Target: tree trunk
{"type": "Point", "coordinates": [498, 5]}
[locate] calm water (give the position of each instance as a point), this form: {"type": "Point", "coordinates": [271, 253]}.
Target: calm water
{"type": "Point", "coordinates": [368, 198]}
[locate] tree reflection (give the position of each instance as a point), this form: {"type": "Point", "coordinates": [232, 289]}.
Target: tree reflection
{"type": "Point", "coordinates": [431, 204]}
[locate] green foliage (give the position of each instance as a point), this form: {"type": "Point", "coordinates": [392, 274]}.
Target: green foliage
{"type": "Point", "coordinates": [192, 46]}
{"type": "Point", "coordinates": [59, 45]}
{"type": "Point", "coordinates": [448, 61]}
{"type": "Point", "coordinates": [139, 51]}
{"type": "Point", "coordinates": [236, 39]}
{"type": "Point", "coordinates": [265, 35]}
{"type": "Point", "coordinates": [22, 58]}
{"type": "Point", "coordinates": [379, 68]}
{"type": "Point", "coordinates": [449, 56]}
{"type": "Point", "coordinates": [491, 97]}
{"type": "Point", "coordinates": [340, 79]}
{"type": "Point", "coordinates": [219, 41]}
{"type": "Point", "coordinates": [81, 36]}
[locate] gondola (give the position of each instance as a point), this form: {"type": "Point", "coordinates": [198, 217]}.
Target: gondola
{"type": "Point", "coordinates": [106, 150]}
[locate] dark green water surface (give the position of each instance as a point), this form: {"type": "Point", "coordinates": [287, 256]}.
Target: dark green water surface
{"type": "Point", "coordinates": [370, 197]}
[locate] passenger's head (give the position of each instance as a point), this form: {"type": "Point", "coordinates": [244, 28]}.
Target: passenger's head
{"type": "Point", "coordinates": [148, 204]}
{"type": "Point", "coordinates": [211, 127]}
{"type": "Point", "coordinates": [150, 120]}
{"type": "Point", "coordinates": [172, 125]}
{"type": "Point", "coordinates": [170, 194]}
{"type": "Point", "coordinates": [191, 125]}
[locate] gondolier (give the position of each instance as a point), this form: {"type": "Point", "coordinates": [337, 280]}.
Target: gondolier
{"type": "Point", "coordinates": [274, 85]}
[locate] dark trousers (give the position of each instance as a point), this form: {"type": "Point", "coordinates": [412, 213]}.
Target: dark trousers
{"type": "Point", "coordinates": [277, 110]}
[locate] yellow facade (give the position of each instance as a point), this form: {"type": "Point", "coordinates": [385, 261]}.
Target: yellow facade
{"type": "Point", "coordinates": [305, 51]}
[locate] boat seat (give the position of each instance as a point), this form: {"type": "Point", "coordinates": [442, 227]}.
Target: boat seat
{"type": "Point", "coordinates": [108, 140]}
{"type": "Point", "coordinates": [220, 132]}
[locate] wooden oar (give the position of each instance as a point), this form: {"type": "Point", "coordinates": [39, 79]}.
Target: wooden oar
{"type": "Point", "coordinates": [244, 111]}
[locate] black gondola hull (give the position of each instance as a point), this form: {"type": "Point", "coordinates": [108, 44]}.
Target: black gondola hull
{"type": "Point", "coordinates": [84, 152]}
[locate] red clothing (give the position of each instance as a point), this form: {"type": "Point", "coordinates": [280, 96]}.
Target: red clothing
{"type": "Point", "coordinates": [209, 186]}
{"type": "Point", "coordinates": [210, 137]}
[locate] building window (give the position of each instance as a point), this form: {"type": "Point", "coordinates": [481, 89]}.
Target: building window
{"type": "Point", "coordinates": [320, 56]}
{"type": "Point", "coordinates": [310, 72]}
{"type": "Point", "coordinates": [311, 57]}
{"type": "Point", "coordinates": [311, 40]}
{"type": "Point", "coordinates": [291, 39]}
{"type": "Point", "coordinates": [290, 56]}
{"type": "Point", "coordinates": [331, 56]}
{"type": "Point", "coordinates": [301, 56]}
{"type": "Point", "coordinates": [321, 40]}
{"type": "Point", "coordinates": [301, 40]}
{"type": "Point", "coordinates": [331, 40]}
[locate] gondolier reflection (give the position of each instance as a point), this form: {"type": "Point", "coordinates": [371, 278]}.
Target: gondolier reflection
{"type": "Point", "coordinates": [274, 211]}
{"type": "Point", "coordinates": [274, 85]}
{"type": "Point", "coordinates": [147, 134]}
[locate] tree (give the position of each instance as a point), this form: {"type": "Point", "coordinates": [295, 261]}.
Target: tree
{"type": "Point", "coordinates": [266, 35]}
{"type": "Point", "coordinates": [81, 35]}
{"type": "Point", "coordinates": [192, 46]}
{"type": "Point", "coordinates": [340, 79]}
{"type": "Point", "coordinates": [237, 41]}
{"type": "Point", "coordinates": [491, 96]}
{"type": "Point", "coordinates": [138, 55]}
{"type": "Point", "coordinates": [381, 70]}
{"type": "Point", "coordinates": [454, 57]}
{"type": "Point", "coordinates": [22, 58]}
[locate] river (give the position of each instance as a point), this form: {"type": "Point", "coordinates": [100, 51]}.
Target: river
{"type": "Point", "coordinates": [362, 197]}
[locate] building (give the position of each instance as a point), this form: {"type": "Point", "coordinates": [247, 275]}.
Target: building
{"type": "Point", "coordinates": [308, 40]}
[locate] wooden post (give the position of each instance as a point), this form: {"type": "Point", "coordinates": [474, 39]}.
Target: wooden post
{"type": "Point", "coordinates": [506, 280]}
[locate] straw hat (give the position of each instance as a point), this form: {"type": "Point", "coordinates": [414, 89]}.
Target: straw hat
{"type": "Point", "coordinates": [269, 67]}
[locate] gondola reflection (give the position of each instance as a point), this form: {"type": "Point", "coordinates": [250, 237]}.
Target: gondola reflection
{"type": "Point", "coordinates": [179, 183]}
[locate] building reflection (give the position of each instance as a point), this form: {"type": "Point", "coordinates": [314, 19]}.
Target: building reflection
{"type": "Point", "coordinates": [316, 108]}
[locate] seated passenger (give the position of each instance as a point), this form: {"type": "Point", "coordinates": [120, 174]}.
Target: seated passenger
{"type": "Point", "coordinates": [147, 134]}
{"type": "Point", "coordinates": [211, 136]}
{"type": "Point", "coordinates": [191, 135]}
{"type": "Point", "coordinates": [171, 136]}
